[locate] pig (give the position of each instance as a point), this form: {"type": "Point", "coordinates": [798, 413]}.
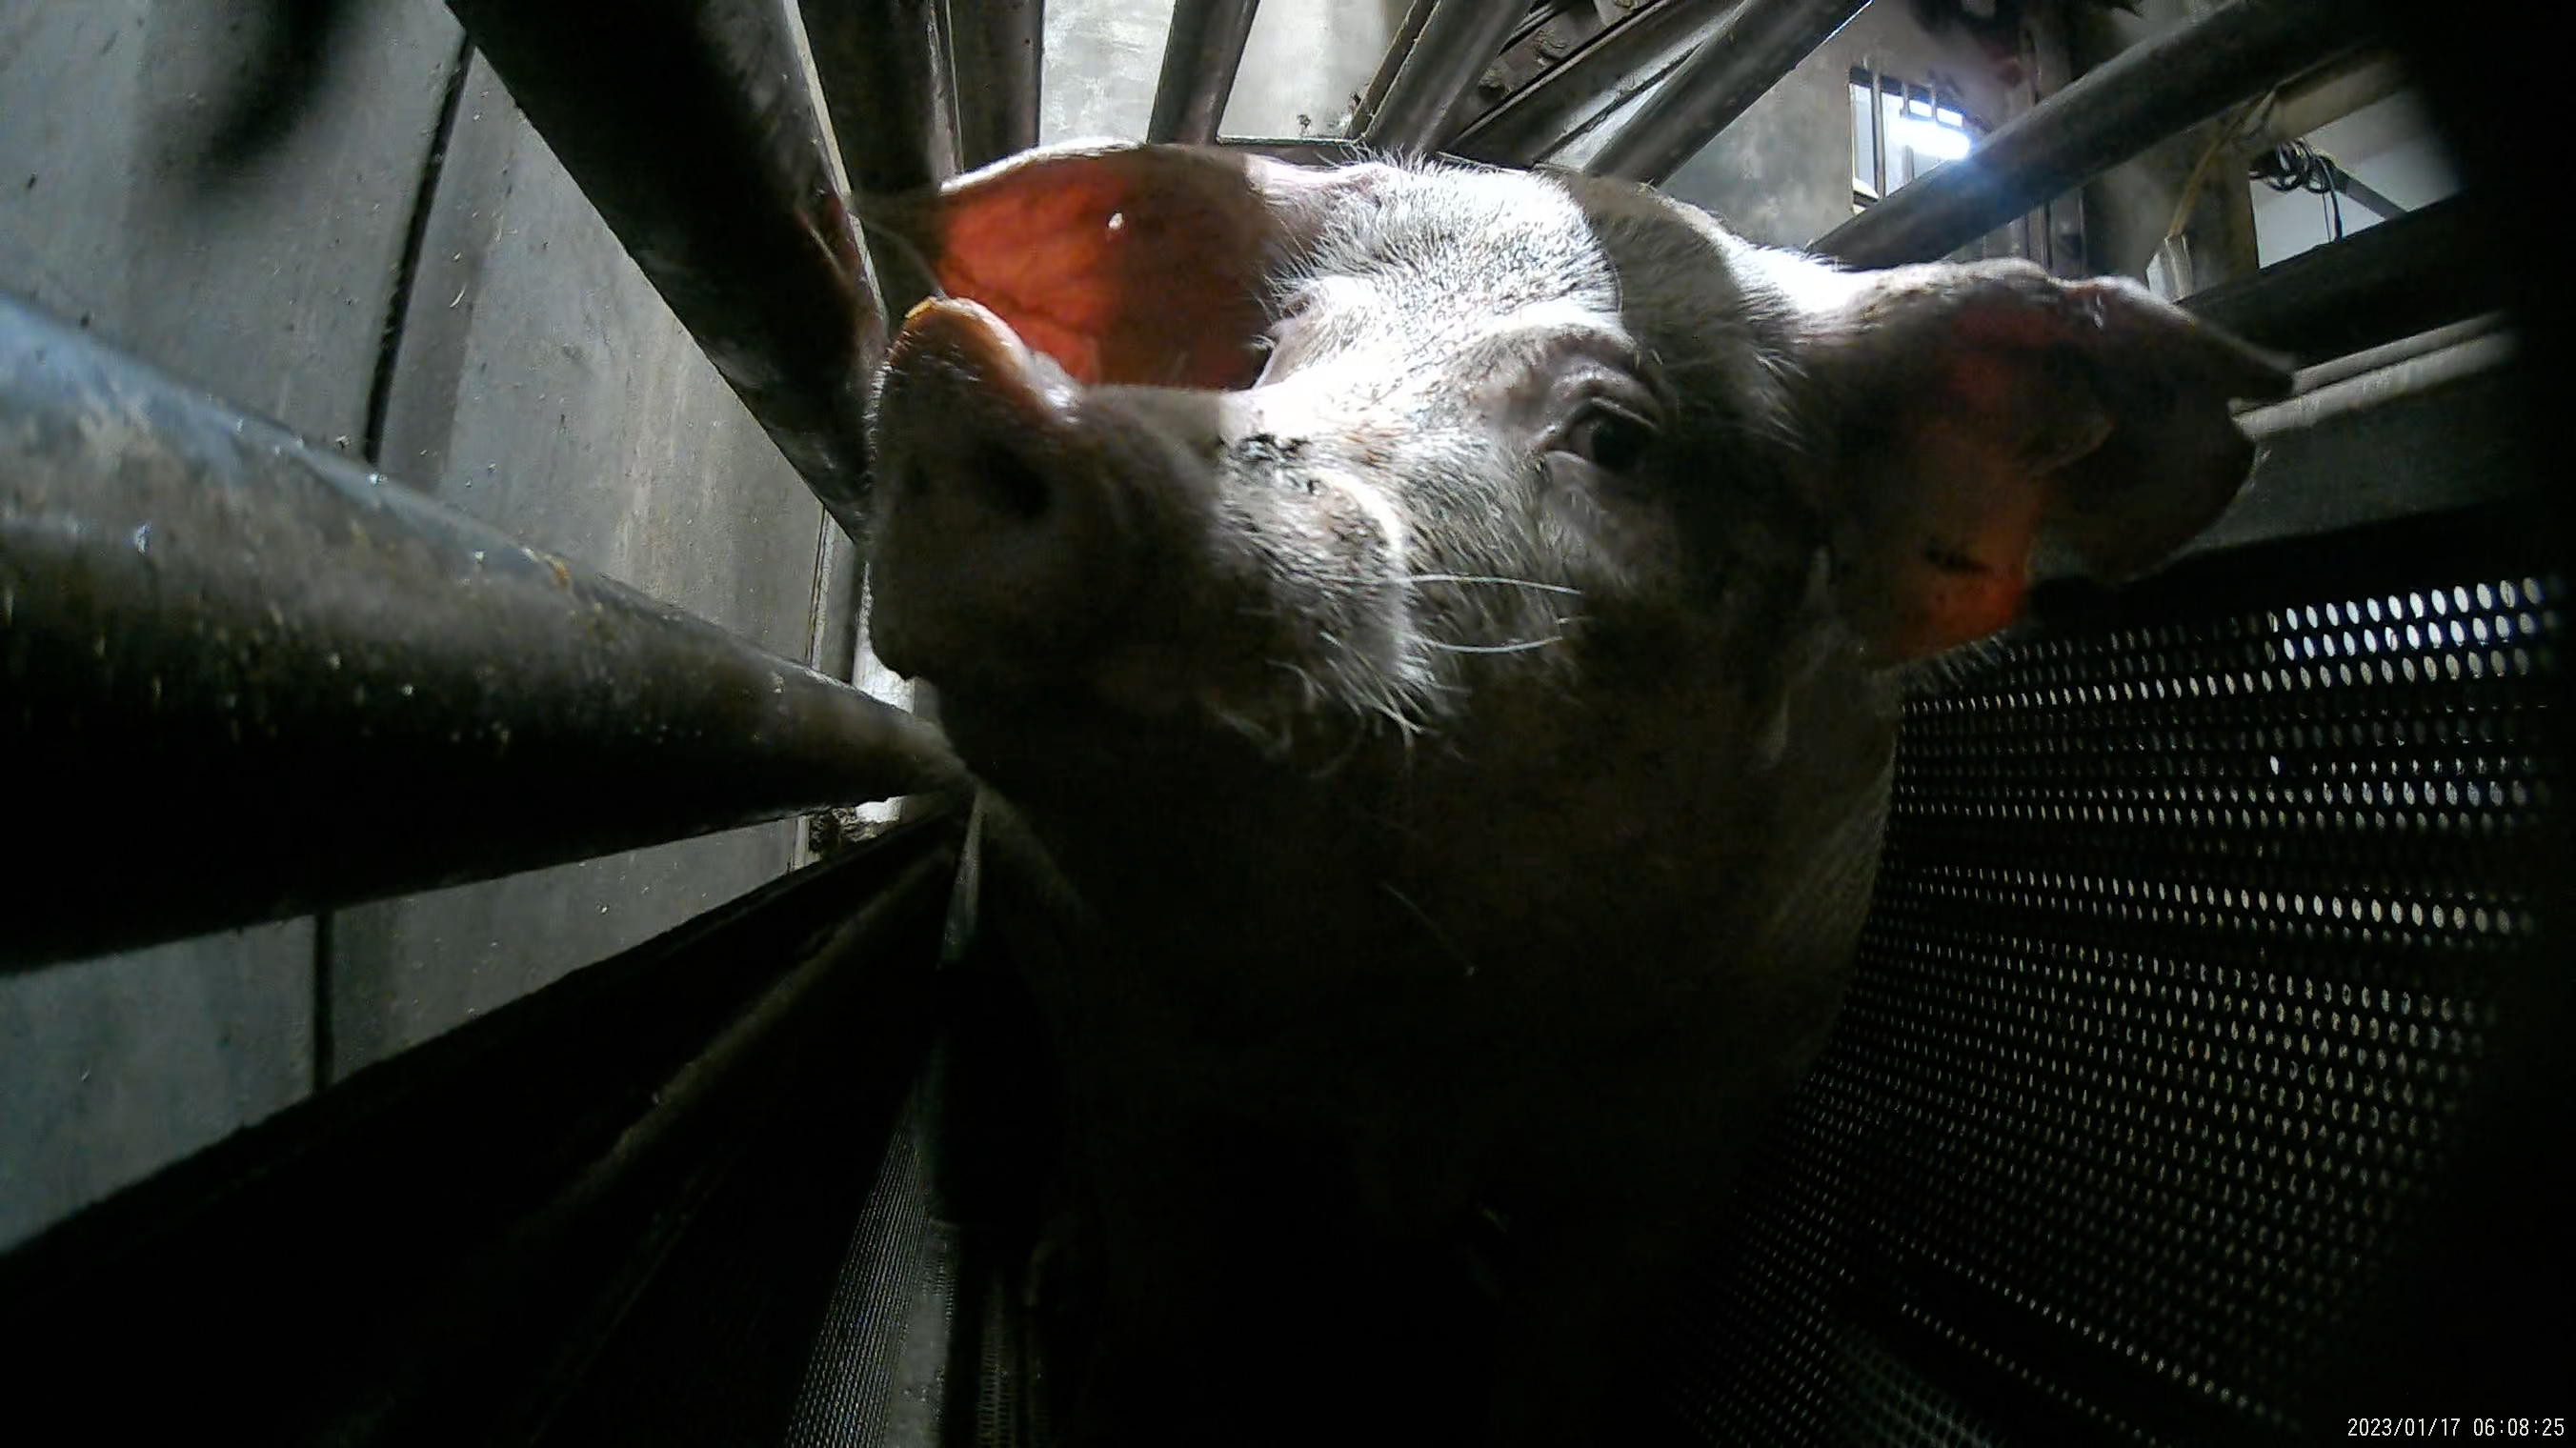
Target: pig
{"type": "Point", "coordinates": [1441, 629]}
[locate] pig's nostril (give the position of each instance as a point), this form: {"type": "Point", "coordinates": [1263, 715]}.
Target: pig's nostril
{"type": "Point", "coordinates": [1011, 481]}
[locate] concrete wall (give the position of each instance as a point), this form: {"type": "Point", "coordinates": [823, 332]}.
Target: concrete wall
{"type": "Point", "coordinates": [527, 375]}
{"type": "Point", "coordinates": [543, 386]}
{"type": "Point", "coordinates": [1306, 63]}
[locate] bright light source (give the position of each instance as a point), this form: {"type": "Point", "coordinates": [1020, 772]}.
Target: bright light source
{"type": "Point", "coordinates": [1925, 138]}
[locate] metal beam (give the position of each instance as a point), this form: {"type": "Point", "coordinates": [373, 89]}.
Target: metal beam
{"type": "Point", "coordinates": [2119, 109]}
{"type": "Point", "coordinates": [2374, 286]}
{"type": "Point", "coordinates": [1302, 150]}
{"type": "Point", "coordinates": [883, 65]}
{"type": "Point", "coordinates": [1753, 48]}
{"type": "Point", "coordinates": [692, 128]}
{"type": "Point", "coordinates": [996, 51]}
{"type": "Point", "coordinates": [1622, 60]}
{"type": "Point", "coordinates": [338, 688]}
{"type": "Point", "coordinates": [883, 70]}
{"type": "Point", "coordinates": [1200, 57]}
{"type": "Point", "coordinates": [1398, 46]}
{"type": "Point", "coordinates": [2419, 426]}
{"type": "Point", "coordinates": [1459, 39]}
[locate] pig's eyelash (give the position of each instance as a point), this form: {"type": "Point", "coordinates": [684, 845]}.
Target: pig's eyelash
{"type": "Point", "coordinates": [1483, 578]}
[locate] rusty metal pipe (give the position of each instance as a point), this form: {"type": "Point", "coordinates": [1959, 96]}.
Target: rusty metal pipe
{"type": "Point", "coordinates": [700, 145]}
{"type": "Point", "coordinates": [335, 688]}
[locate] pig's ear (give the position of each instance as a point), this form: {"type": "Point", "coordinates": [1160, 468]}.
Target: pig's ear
{"type": "Point", "coordinates": [1976, 412]}
{"type": "Point", "coordinates": [1133, 264]}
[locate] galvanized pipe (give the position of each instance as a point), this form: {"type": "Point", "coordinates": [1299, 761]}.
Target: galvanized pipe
{"type": "Point", "coordinates": [996, 51]}
{"type": "Point", "coordinates": [333, 689]}
{"type": "Point", "coordinates": [1459, 39]}
{"type": "Point", "coordinates": [1200, 56]}
{"type": "Point", "coordinates": [2139, 97]}
{"type": "Point", "coordinates": [1542, 116]}
{"type": "Point", "coordinates": [692, 127]}
{"type": "Point", "coordinates": [1755, 46]}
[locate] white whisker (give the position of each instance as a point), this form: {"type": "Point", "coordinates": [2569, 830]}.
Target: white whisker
{"type": "Point", "coordinates": [1506, 582]}
{"type": "Point", "coordinates": [1438, 935]}
{"type": "Point", "coordinates": [1523, 646]}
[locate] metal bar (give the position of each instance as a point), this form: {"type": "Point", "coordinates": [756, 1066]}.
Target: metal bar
{"type": "Point", "coordinates": [1398, 46]}
{"type": "Point", "coordinates": [2324, 397]}
{"type": "Point", "coordinates": [544, 1299]}
{"type": "Point", "coordinates": [1200, 57]}
{"type": "Point", "coordinates": [2426, 433]}
{"type": "Point", "coordinates": [1877, 133]}
{"type": "Point", "coordinates": [700, 145]}
{"type": "Point", "coordinates": [441, 1242]}
{"type": "Point", "coordinates": [1556, 30]}
{"type": "Point", "coordinates": [358, 692]}
{"type": "Point", "coordinates": [2330, 93]}
{"type": "Point", "coordinates": [996, 50]}
{"type": "Point", "coordinates": [2145, 94]}
{"type": "Point", "coordinates": [1302, 150]}
{"type": "Point", "coordinates": [883, 66]}
{"type": "Point", "coordinates": [1459, 39]}
{"type": "Point", "coordinates": [1628, 57]}
{"type": "Point", "coordinates": [2369, 196]}
{"type": "Point", "coordinates": [2394, 279]}
{"type": "Point", "coordinates": [832, 617]}
{"type": "Point", "coordinates": [2389, 354]}
{"type": "Point", "coordinates": [1753, 48]}
{"type": "Point", "coordinates": [879, 61]}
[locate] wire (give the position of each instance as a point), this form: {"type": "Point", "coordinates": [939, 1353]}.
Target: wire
{"type": "Point", "coordinates": [2243, 122]}
{"type": "Point", "coordinates": [2298, 166]}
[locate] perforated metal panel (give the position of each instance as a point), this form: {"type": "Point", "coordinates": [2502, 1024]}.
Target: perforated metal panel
{"type": "Point", "coordinates": [2182, 964]}
{"type": "Point", "coordinates": [876, 1376]}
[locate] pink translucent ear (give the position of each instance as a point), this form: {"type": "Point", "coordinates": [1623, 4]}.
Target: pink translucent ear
{"type": "Point", "coordinates": [1143, 264]}
{"type": "Point", "coordinates": [1977, 410]}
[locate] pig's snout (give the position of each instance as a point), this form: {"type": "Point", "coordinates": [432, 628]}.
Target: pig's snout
{"type": "Point", "coordinates": [1147, 548]}
{"type": "Point", "coordinates": [1001, 538]}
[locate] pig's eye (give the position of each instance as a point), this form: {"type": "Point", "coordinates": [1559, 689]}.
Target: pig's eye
{"type": "Point", "coordinates": [1610, 438]}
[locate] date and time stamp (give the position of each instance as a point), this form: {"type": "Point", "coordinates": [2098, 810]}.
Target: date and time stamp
{"type": "Point", "coordinates": [2456, 1428]}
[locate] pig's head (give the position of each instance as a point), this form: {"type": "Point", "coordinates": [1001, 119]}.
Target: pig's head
{"type": "Point", "coordinates": [1442, 623]}
{"type": "Point", "coordinates": [1478, 566]}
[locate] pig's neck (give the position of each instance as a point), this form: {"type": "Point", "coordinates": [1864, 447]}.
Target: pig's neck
{"type": "Point", "coordinates": [1661, 865]}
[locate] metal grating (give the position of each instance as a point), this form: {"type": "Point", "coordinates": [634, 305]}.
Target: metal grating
{"type": "Point", "coordinates": [874, 1376]}
{"type": "Point", "coordinates": [2182, 961]}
